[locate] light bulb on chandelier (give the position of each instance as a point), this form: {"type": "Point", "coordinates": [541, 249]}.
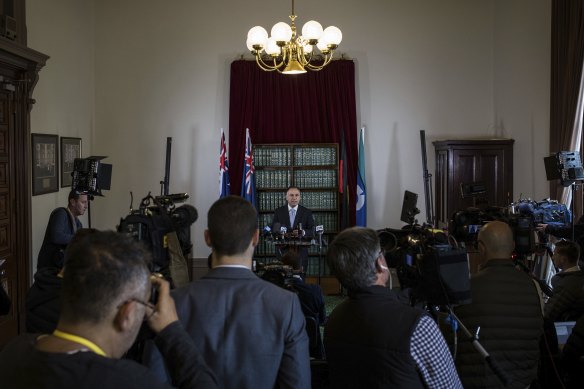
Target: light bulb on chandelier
{"type": "Point", "coordinates": [288, 53]}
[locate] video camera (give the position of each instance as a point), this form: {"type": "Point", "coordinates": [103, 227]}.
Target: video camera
{"type": "Point", "coordinates": [156, 217]}
{"type": "Point", "coordinates": [522, 216]}
{"type": "Point", "coordinates": [426, 260]}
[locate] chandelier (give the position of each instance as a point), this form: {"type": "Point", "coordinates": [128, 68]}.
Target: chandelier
{"type": "Point", "coordinates": [285, 52]}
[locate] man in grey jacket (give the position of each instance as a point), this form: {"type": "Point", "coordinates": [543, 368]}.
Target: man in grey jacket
{"type": "Point", "coordinates": [251, 332]}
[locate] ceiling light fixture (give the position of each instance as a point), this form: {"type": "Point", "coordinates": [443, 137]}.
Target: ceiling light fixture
{"type": "Point", "coordinates": [288, 54]}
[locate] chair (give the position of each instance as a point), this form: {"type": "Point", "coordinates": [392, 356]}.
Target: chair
{"type": "Point", "coordinates": [318, 364]}
{"type": "Point", "coordinates": [315, 345]}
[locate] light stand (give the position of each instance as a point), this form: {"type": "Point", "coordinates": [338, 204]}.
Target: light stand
{"type": "Point", "coordinates": [428, 195]}
{"type": "Point", "coordinates": [573, 187]}
{"type": "Point", "coordinates": [89, 199]}
{"type": "Point", "coordinates": [90, 176]}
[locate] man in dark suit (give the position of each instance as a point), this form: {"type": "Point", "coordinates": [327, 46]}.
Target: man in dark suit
{"type": "Point", "coordinates": [251, 331]}
{"type": "Point", "coordinates": [297, 220]}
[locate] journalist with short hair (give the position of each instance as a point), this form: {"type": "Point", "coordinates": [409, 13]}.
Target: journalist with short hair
{"type": "Point", "coordinates": [371, 339]}
{"type": "Point", "coordinates": [250, 330]}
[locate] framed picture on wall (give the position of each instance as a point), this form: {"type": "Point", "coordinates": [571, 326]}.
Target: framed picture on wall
{"type": "Point", "coordinates": [70, 149]}
{"type": "Point", "coordinates": [45, 168]}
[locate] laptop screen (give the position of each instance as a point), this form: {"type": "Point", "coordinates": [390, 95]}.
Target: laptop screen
{"type": "Point", "coordinates": [563, 331]}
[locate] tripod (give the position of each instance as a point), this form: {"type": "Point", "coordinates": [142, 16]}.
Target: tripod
{"type": "Point", "coordinates": [487, 357]}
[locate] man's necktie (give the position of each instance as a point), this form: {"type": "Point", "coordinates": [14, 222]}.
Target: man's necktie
{"type": "Point", "coordinates": [292, 216]}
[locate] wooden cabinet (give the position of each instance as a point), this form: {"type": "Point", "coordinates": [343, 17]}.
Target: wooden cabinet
{"type": "Point", "coordinates": [314, 169]}
{"type": "Point", "coordinates": [485, 161]}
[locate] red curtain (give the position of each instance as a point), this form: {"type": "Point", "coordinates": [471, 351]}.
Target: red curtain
{"type": "Point", "coordinates": [315, 107]}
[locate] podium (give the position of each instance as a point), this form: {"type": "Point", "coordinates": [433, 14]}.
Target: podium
{"type": "Point", "coordinates": [295, 245]}
{"type": "Point", "coordinates": [301, 247]}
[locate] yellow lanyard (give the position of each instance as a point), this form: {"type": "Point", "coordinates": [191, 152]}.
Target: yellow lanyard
{"type": "Point", "coordinates": [78, 339]}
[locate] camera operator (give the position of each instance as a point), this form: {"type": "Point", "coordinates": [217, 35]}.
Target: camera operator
{"type": "Point", "coordinates": [371, 339]}
{"type": "Point", "coordinates": [506, 307]}
{"type": "Point", "coordinates": [564, 231]}
{"type": "Point", "coordinates": [63, 223]}
{"type": "Point", "coordinates": [106, 286]}
{"type": "Point", "coordinates": [567, 303]}
{"type": "Point", "coordinates": [296, 219]}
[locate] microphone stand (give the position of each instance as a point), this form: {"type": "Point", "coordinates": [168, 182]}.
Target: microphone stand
{"type": "Point", "coordinates": [500, 373]}
{"type": "Point", "coordinates": [319, 256]}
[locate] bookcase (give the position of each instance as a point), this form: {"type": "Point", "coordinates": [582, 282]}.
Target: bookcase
{"type": "Point", "coordinates": [314, 169]}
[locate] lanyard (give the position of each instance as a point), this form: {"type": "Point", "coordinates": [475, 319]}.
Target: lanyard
{"type": "Point", "coordinates": [78, 339]}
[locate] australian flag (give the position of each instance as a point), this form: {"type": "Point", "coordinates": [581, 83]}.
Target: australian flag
{"type": "Point", "coordinates": [223, 169]}
{"type": "Point", "coordinates": [248, 179]}
{"type": "Point", "coordinates": [361, 217]}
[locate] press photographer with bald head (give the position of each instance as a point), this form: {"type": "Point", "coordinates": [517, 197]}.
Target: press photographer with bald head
{"type": "Point", "coordinates": [506, 306]}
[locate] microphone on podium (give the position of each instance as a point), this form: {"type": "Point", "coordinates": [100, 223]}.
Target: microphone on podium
{"type": "Point", "coordinates": [319, 230]}
{"type": "Point", "coordinates": [267, 232]}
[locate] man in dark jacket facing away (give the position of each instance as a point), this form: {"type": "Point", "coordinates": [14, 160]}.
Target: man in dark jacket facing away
{"type": "Point", "coordinates": [371, 339]}
{"type": "Point", "coordinates": [506, 306]}
{"type": "Point", "coordinates": [567, 303]}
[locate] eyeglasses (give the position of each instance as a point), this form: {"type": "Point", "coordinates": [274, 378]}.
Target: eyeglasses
{"type": "Point", "coordinates": [145, 304]}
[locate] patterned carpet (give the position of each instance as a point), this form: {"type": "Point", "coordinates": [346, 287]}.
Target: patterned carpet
{"type": "Point", "coordinates": [331, 302]}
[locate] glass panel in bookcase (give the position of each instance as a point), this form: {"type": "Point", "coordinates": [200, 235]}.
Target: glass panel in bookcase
{"type": "Point", "coordinates": [272, 155]}
{"type": "Point", "coordinates": [269, 178]}
{"type": "Point", "coordinates": [315, 178]}
{"type": "Point", "coordinates": [320, 155]}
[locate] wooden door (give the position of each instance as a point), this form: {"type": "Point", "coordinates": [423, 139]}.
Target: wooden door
{"type": "Point", "coordinates": [19, 68]}
{"type": "Point", "coordinates": [9, 265]}
{"type": "Point", "coordinates": [467, 161]}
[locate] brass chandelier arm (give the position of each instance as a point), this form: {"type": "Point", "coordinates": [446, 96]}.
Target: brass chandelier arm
{"type": "Point", "coordinates": [327, 59]}
{"type": "Point", "coordinates": [263, 65]}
